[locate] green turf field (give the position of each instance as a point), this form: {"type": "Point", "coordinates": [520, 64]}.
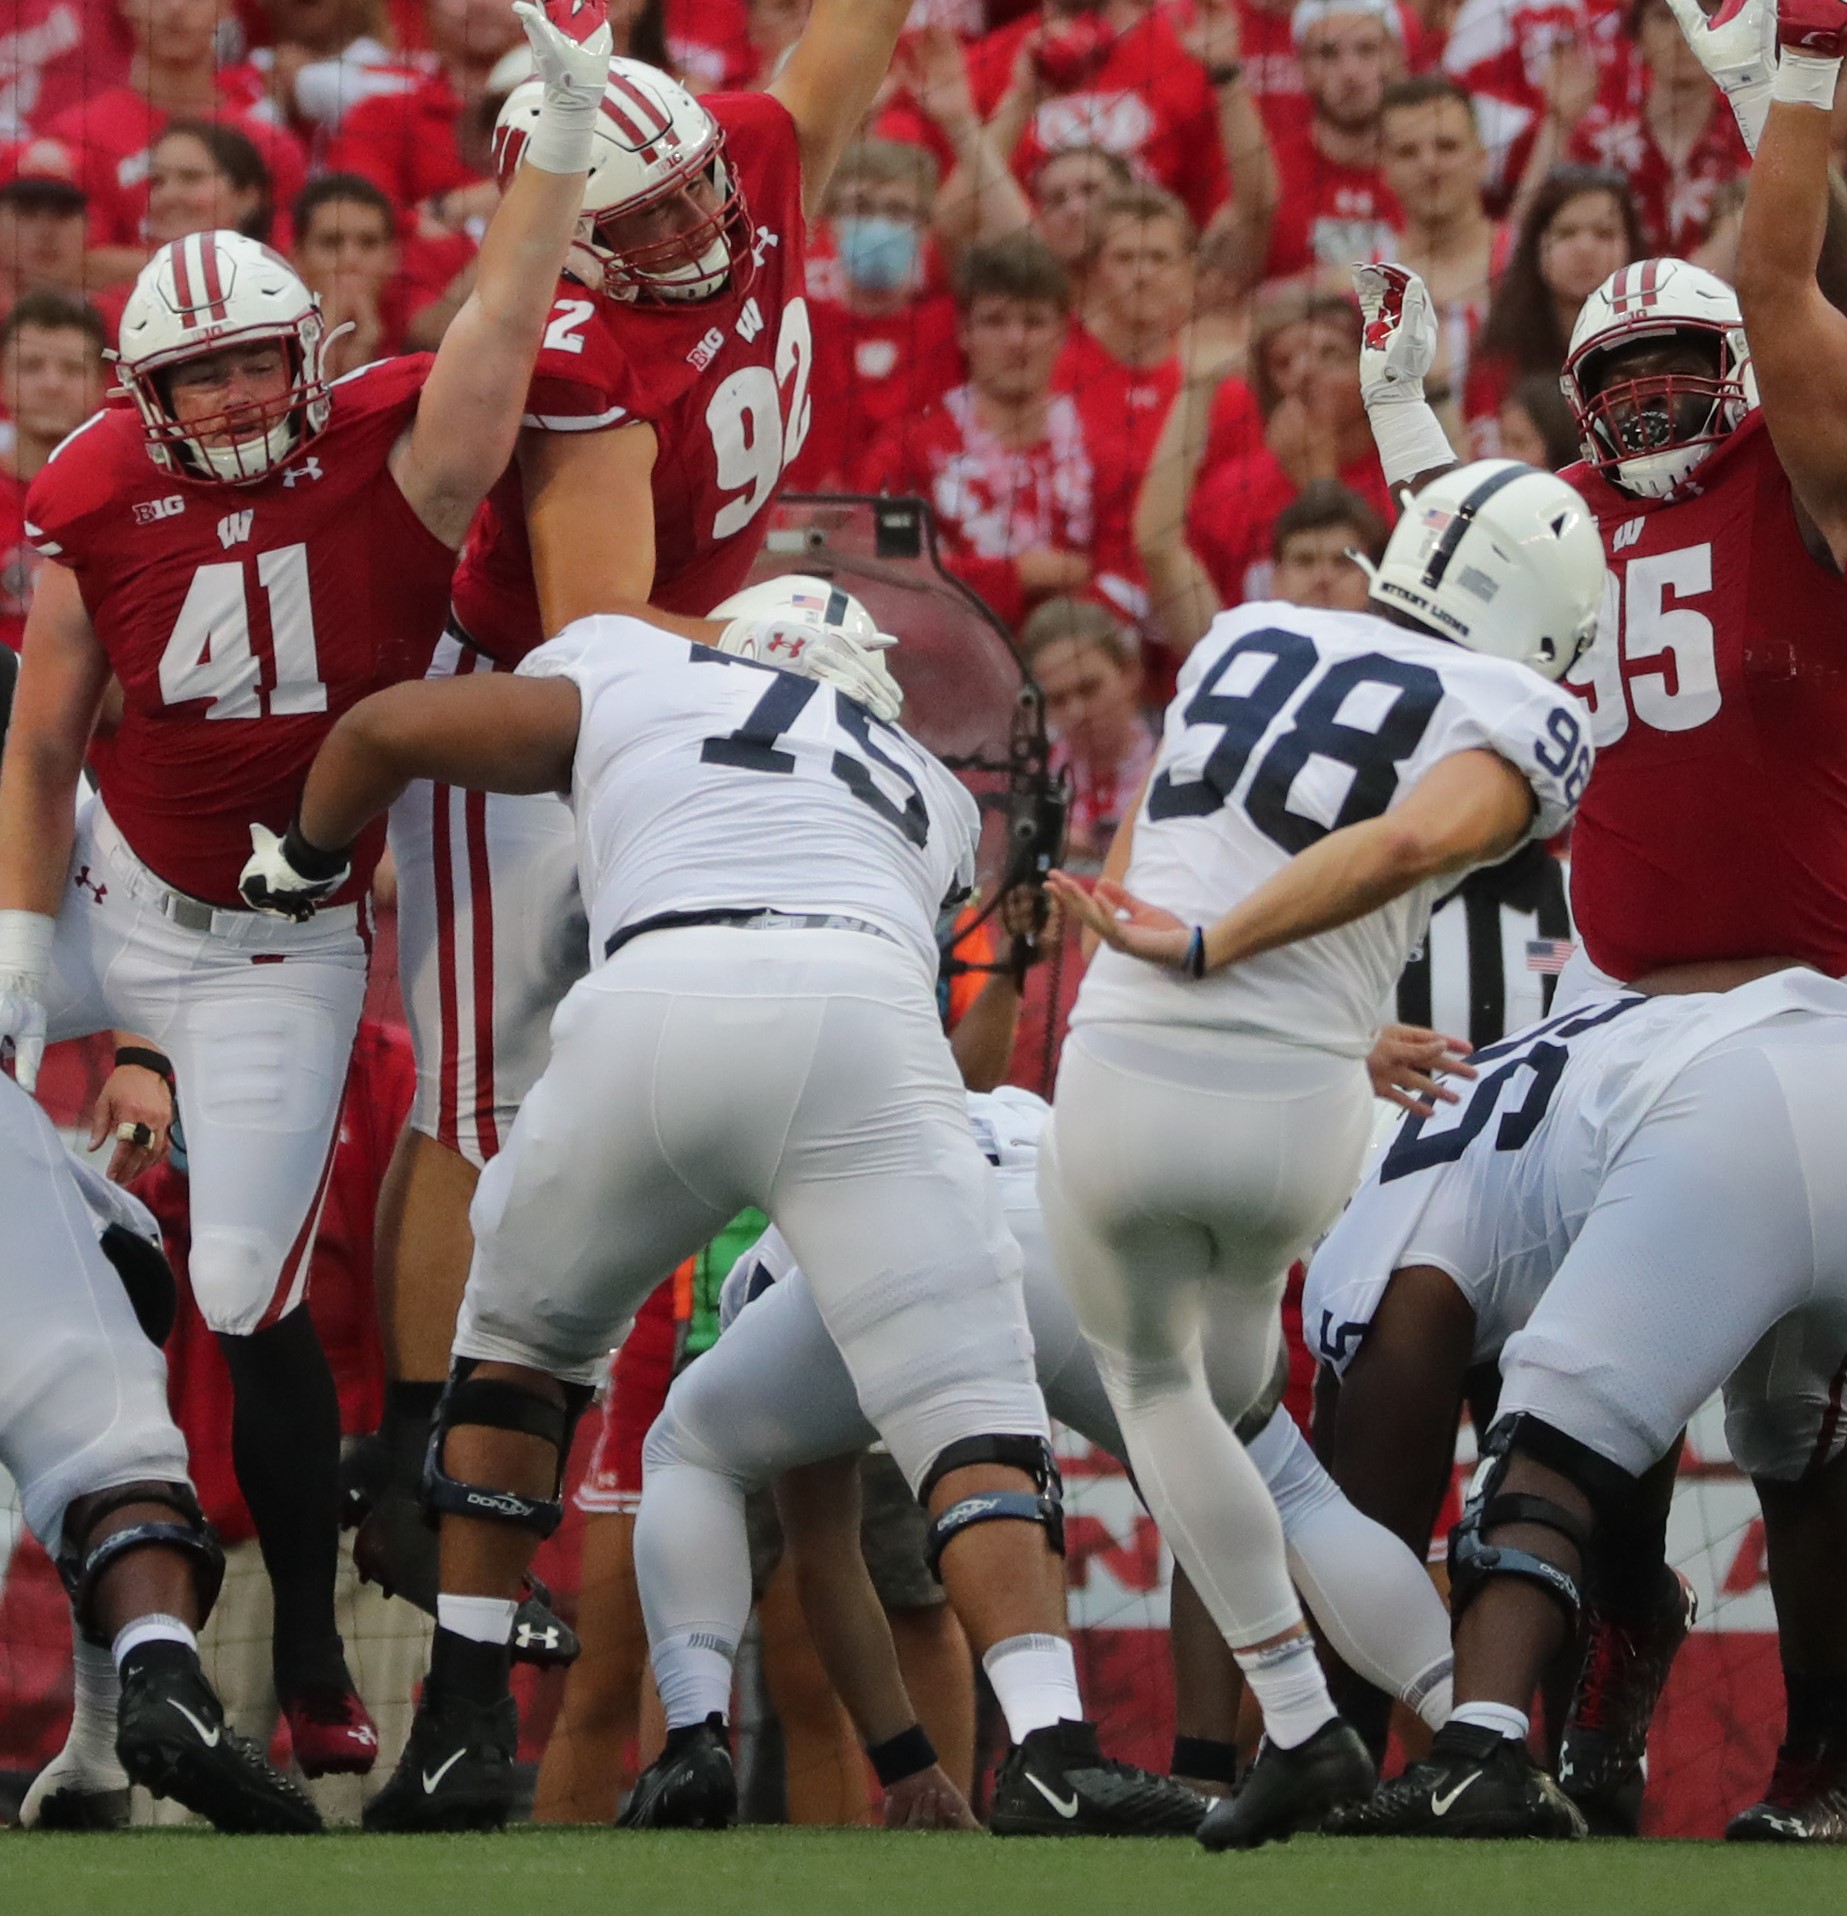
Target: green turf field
{"type": "Point", "coordinates": [778, 1872]}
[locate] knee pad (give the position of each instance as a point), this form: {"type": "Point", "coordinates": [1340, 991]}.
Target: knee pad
{"type": "Point", "coordinates": [497, 1405]}
{"type": "Point", "coordinates": [81, 1566]}
{"type": "Point", "coordinates": [1043, 1504]}
{"type": "Point", "coordinates": [1473, 1560]}
{"type": "Point", "coordinates": [234, 1275]}
{"type": "Point", "coordinates": [147, 1277]}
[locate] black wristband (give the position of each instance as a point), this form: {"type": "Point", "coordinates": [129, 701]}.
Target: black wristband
{"type": "Point", "coordinates": [1228, 74]}
{"type": "Point", "coordinates": [1205, 1759]}
{"type": "Point", "coordinates": [1194, 963]}
{"type": "Point", "coordinates": [901, 1756]}
{"type": "Point", "coordinates": [309, 859]}
{"type": "Point", "coordinates": [148, 1059]}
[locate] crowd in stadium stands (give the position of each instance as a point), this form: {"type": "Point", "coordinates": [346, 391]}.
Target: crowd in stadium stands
{"type": "Point", "coordinates": [1083, 285]}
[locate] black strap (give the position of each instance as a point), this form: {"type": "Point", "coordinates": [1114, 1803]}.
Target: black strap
{"type": "Point", "coordinates": [148, 1059]}
{"type": "Point", "coordinates": [679, 921]}
{"type": "Point", "coordinates": [1487, 968]}
{"type": "Point", "coordinates": [1464, 518]}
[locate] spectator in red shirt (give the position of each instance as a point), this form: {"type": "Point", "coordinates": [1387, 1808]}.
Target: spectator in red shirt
{"type": "Point", "coordinates": [1433, 165]}
{"type": "Point", "coordinates": [1511, 56]}
{"type": "Point", "coordinates": [1121, 365]}
{"type": "Point", "coordinates": [1335, 205]}
{"type": "Point", "coordinates": [1090, 669]}
{"type": "Point", "coordinates": [174, 75]}
{"type": "Point", "coordinates": [1119, 75]}
{"type": "Point", "coordinates": [51, 380]}
{"type": "Point", "coordinates": [1580, 225]}
{"type": "Point", "coordinates": [1068, 190]}
{"type": "Point", "coordinates": [55, 53]}
{"type": "Point", "coordinates": [43, 213]}
{"type": "Point", "coordinates": [1207, 543]}
{"type": "Point", "coordinates": [324, 57]}
{"type": "Point", "coordinates": [1312, 547]}
{"type": "Point", "coordinates": [885, 340]}
{"type": "Point", "coordinates": [430, 146]}
{"type": "Point", "coordinates": [707, 41]}
{"type": "Point", "coordinates": [202, 176]}
{"type": "Point", "coordinates": [1677, 147]}
{"type": "Point", "coordinates": [1003, 458]}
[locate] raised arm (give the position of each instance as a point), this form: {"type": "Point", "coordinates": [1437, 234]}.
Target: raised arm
{"type": "Point", "coordinates": [828, 85]}
{"type": "Point", "coordinates": [1214, 38]}
{"type": "Point", "coordinates": [1397, 348]}
{"type": "Point", "coordinates": [980, 199]}
{"type": "Point", "coordinates": [62, 672]}
{"type": "Point", "coordinates": [495, 733]}
{"type": "Point", "coordinates": [1798, 337]}
{"type": "Point", "coordinates": [469, 416]}
{"type": "Point", "coordinates": [1470, 809]}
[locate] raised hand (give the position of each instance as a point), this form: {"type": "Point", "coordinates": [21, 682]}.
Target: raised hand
{"type": "Point", "coordinates": [1399, 343]}
{"type": "Point", "coordinates": [570, 41]}
{"type": "Point", "coordinates": [1737, 46]}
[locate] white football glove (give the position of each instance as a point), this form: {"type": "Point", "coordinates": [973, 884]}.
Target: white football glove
{"type": "Point", "coordinates": [1399, 343]}
{"type": "Point", "coordinates": [25, 964]}
{"type": "Point", "coordinates": [851, 665]}
{"type": "Point", "coordinates": [571, 45]}
{"type": "Point", "coordinates": [1737, 46]}
{"type": "Point", "coordinates": [273, 881]}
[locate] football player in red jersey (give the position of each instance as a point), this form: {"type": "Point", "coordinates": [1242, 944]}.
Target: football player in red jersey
{"type": "Point", "coordinates": [670, 394]}
{"type": "Point", "coordinates": [249, 550]}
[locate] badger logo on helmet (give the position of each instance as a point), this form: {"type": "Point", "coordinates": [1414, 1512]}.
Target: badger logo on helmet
{"type": "Point", "coordinates": [206, 295]}
{"type": "Point", "coordinates": [663, 215]}
{"type": "Point", "coordinates": [1658, 373]}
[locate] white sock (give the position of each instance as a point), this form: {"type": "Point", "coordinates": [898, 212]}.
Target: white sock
{"type": "Point", "coordinates": [1503, 1717]}
{"type": "Point", "coordinates": [1433, 1695]}
{"type": "Point", "coordinates": [479, 1619]}
{"type": "Point", "coordinates": [1035, 1680]}
{"type": "Point", "coordinates": [91, 1741]}
{"type": "Point", "coordinates": [1290, 1688]}
{"type": "Point", "coordinates": [158, 1628]}
{"type": "Point", "coordinates": [692, 1671]}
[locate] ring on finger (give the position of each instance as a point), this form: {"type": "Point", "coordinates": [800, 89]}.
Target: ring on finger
{"type": "Point", "coordinates": [130, 1131]}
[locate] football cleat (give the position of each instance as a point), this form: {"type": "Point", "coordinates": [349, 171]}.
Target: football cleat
{"type": "Point", "coordinates": [1474, 1782]}
{"type": "Point", "coordinates": [330, 1729]}
{"type": "Point", "coordinates": [1290, 1790]}
{"type": "Point", "coordinates": [1059, 1783]}
{"type": "Point", "coordinates": [1805, 1803]}
{"type": "Point", "coordinates": [71, 1794]}
{"type": "Point", "coordinates": [690, 1785]}
{"type": "Point", "coordinates": [171, 1737]}
{"type": "Point", "coordinates": [395, 1548]}
{"type": "Point", "coordinates": [1620, 1681]}
{"type": "Point", "coordinates": [456, 1772]}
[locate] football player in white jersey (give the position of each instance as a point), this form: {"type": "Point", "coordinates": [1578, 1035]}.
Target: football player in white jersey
{"type": "Point", "coordinates": [102, 1476]}
{"type": "Point", "coordinates": [1321, 777]}
{"type": "Point", "coordinates": [1677, 1169]}
{"type": "Point", "coordinates": [774, 1394]}
{"type": "Point", "coordinates": [764, 857]}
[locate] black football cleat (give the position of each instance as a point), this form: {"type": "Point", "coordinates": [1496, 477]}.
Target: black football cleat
{"type": "Point", "coordinates": [1474, 1782]}
{"type": "Point", "coordinates": [1620, 1681]}
{"type": "Point", "coordinates": [395, 1548]}
{"type": "Point", "coordinates": [1059, 1783]}
{"type": "Point", "coordinates": [171, 1737]}
{"type": "Point", "coordinates": [690, 1785]}
{"type": "Point", "coordinates": [1291, 1790]}
{"type": "Point", "coordinates": [456, 1772]}
{"type": "Point", "coordinates": [1805, 1803]}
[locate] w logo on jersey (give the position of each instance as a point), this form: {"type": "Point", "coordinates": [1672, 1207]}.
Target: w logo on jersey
{"type": "Point", "coordinates": [1627, 534]}
{"type": "Point", "coordinates": [234, 528]}
{"type": "Point", "coordinates": [750, 320]}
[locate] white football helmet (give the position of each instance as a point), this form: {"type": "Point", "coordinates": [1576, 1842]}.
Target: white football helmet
{"type": "Point", "coordinates": [813, 628]}
{"type": "Point", "coordinates": [198, 295]}
{"type": "Point", "coordinates": [653, 139]}
{"type": "Point", "coordinates": [1647, 435]}
{"type": "Point", "coordinates": [1499, 557]}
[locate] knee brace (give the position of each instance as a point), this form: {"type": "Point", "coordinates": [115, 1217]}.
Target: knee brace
{"type": "Point", "coordinates": [1043, 1504]}
{"type": "Point", "coordinates": [1473, 1560]}
{"type": "Point", "coordinates": [147, 1277]}
{"type": "Point", "coordinates": [82, 1566]}
{"type": "Point", "coordinates": [496, 1405]}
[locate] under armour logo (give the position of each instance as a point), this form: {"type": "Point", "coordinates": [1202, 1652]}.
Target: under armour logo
{"type": "Point", "coordinates": [528, 1638]}
{"type": "Point", "coordinates": [1626, 534]}
{"type": "Point", "coordinates": [89, 884]}
{"type": "Point", "coordinates": [762, 243]}
{"type": "Point", "coordinates": [309, 468]}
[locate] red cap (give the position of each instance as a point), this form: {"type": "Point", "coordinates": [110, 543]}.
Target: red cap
{"type": "Point", "coordinates": [44, 168]}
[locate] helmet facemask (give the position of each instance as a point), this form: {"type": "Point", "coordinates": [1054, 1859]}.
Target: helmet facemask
{"type": "Point", "coordinates": [1648, 434]}
{"type": "Point", "coordinates": [693, 264]}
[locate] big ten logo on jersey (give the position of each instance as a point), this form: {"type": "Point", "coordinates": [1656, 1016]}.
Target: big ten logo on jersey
{"type": "Point", "coordinates": [151, 511]}
{"type": "Point", "coordinates": [1656, 654]}
{"type": "Point", "coordinates": [759, 416]}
